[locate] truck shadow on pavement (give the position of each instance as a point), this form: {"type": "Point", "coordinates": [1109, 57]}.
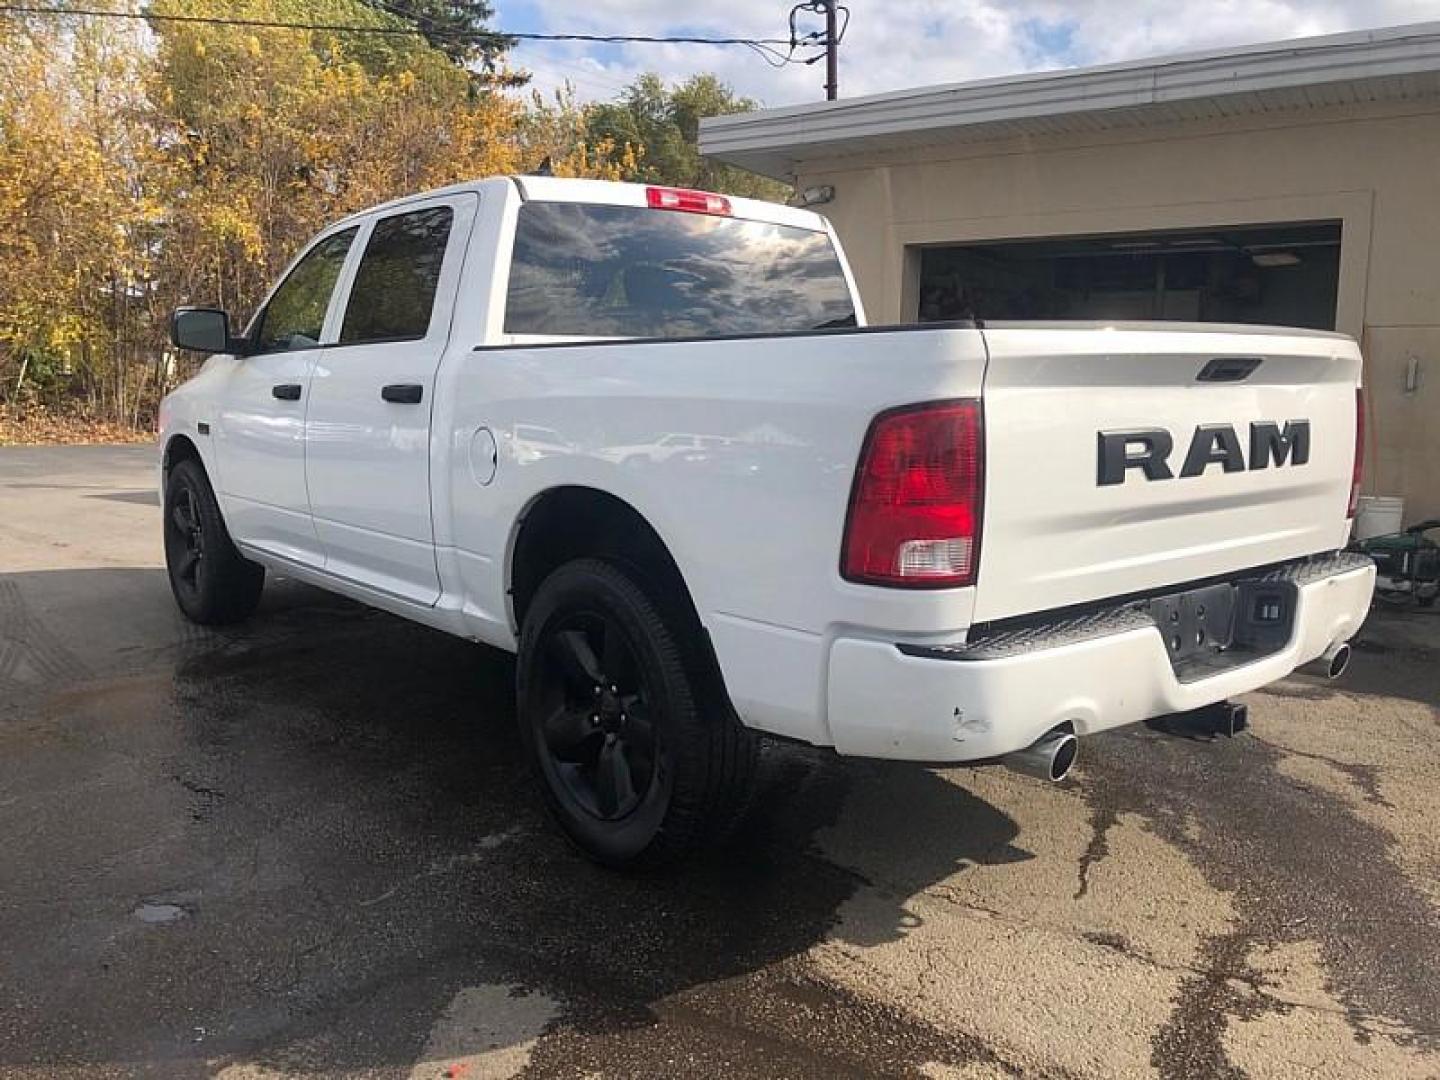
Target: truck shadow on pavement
{"type": "Point", "coordinates": [296, 841]}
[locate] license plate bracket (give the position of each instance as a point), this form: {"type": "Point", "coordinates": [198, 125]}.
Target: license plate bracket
{"type": "Point", "coordinates": [1196, 623]}
{"type": "Point", "coordinates": [1210, 629]}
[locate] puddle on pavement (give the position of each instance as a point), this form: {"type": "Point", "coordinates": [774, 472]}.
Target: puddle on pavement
{"type": "Point", "coordinates": [159, 913]}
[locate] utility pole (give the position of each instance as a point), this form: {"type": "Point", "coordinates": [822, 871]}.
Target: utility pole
{"type": "Point", "coordinates": [833, 31]}
{"type": "Point", "coordinates": [832, 53]}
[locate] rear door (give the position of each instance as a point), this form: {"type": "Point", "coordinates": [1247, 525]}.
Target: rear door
{"type": "Point", "coordinates": [367, 430]}
{"type": "Point", "coordinates": [261, 436]}
{"type": "Point", "coordinates": [1122, 459]}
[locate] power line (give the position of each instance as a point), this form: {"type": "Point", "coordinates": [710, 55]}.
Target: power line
{"type": "Point", "coordinates": [605, 39]}
{"type": "Point", "coordinates": [759, 45]}
{"type": "Point", "coordinates": [583, 78]}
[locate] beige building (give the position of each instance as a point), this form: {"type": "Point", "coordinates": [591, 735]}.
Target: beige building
{"type": "Point", "coordinates": [1295, 183]}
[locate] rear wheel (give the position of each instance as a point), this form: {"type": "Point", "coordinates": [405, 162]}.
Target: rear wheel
{"type": "Point", "coordinates": [636, 765]}
{"type": "Point", "coordinates": [212, 582]}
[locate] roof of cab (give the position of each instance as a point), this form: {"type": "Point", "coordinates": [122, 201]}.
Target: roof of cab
{"type": "Point", "coordinates": [603, 192]}
{"type": "Point", "coordinates": [476, 186]}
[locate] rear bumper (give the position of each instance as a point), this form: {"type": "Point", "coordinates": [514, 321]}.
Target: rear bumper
{"type": "Point", "coordinates": [889, 703]}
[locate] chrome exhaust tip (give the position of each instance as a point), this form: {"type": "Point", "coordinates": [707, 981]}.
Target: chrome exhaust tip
{"type": "Point", "coordinates": [1330, 664]}
{"type": "Point", "coordinates": [1050, 757]}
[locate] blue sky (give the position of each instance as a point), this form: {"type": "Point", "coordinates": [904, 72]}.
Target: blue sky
{"type": "Point", "coordinates": [902, 43]}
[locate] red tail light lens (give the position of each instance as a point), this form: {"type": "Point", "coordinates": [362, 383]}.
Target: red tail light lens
{"type": "Point", "coordinates": [915, 509]}
{"type": "Point", "coordinates": [694, 202]}
{"type": "Point", "coordinates": [1358, 473]}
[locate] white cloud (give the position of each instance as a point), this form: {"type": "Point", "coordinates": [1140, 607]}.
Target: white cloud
{"type": "Point", "coordinates": [903, 43]}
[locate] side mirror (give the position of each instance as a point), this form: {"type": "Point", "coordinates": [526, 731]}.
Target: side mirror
{"type": "Point", "coordinates": [205, 330]}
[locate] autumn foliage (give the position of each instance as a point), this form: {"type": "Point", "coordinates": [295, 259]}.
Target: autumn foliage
{"type": "Point", "coordinates": [146, 164]}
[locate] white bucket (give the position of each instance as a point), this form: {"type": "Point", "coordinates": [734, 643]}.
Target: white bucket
{"type": "Point", "coordinates": [1380, 515]}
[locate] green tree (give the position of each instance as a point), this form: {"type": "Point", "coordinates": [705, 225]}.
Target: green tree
{"type": "Point", "coordinates": [665, 122]}
{"type": "Point", "coordinates": [458, 29]}
{"type": "Point", "coordinates": [556, 130]}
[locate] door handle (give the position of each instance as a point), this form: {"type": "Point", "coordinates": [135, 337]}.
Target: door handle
{"type": "Point", "coordinates": [403, 393]}
{"type": "Point", "coordinates": [289, 391]}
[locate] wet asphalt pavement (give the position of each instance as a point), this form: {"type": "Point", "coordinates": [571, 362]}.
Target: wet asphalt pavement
{"type": "Point", "coordinates": [307, 846]}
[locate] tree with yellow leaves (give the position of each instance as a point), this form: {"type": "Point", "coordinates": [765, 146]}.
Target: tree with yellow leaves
{"type": "Point", "coordinates": [275, 132]}
{"type": "Point", "coordinates": [76, 224]}
{"type": "Point", "coordinates": [146, 164]}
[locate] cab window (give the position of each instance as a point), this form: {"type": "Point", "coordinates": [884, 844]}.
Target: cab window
{"type": "Point", "coordinates": [394, 291]}
{"type": "Point", "coordinates": [295, 315]}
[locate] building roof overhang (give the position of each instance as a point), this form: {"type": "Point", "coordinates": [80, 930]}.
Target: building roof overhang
{"type": "Point", "coordinates": [1399, 63]}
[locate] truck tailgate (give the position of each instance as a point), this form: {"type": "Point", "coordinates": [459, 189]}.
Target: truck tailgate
{"type": "Point", "coordinates": [1072, 512]}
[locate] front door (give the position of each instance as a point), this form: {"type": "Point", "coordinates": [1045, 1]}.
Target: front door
{"type": "Point", "coordinates": [260, 437]}
{"type": "Point", "coordinates": [367, 432]}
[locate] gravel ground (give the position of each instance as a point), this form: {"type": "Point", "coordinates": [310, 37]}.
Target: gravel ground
{"type": "Point", "coordinates": [306, 846]}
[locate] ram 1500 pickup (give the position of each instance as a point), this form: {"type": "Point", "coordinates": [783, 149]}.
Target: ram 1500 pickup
{"type": "Point", "coordinates": [643, 438]}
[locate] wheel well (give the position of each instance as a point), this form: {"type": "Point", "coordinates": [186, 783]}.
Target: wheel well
{"type": "Point", "coordinates": [179, 449]}
{"type": "Point", "coordinates": [575, 523]}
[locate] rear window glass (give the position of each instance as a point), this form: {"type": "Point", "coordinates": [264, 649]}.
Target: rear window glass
{"type": "Point", "coordinates": [394, 288]}
{"type": "Point", "coordinates": [623, 271]}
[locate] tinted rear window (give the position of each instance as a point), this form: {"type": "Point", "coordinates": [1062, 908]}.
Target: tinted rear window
{"type": "Point", "coordinates": [622, 271]}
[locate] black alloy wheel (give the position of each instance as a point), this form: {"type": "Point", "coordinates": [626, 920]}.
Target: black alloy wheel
{"type": "Point", "coordinates": [185, 543]}
{"type": "Point", "coordinates": [639, 756]}
{"type": "Point", "coordinates": [212, 582]}
{"type": "Point", "coordinates": [597, 736]}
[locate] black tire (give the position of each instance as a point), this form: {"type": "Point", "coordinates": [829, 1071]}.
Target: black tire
{"type": "Point", "coordinates": [212, 582]}
{"type": "Point", "coordinates": [638, 765]}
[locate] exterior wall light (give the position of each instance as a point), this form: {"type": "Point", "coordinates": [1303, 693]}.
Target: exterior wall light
{"type": "Point", "coordinates": [818, 195]}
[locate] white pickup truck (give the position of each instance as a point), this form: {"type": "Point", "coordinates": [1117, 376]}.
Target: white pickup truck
{"type": "Point", "coordinates": [643, 438]}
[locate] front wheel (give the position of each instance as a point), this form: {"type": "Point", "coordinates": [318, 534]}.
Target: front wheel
{"type": "Point", "coordinates": [635, 764]}
{"type": "Point", "coordinates": [212, 582]}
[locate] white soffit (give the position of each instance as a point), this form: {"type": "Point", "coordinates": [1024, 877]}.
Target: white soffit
{"type": "Point", "coordinates": [1393, 64]}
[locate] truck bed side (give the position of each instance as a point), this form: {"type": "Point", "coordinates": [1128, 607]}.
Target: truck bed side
{"type": "Point", "coordinates": [741, 455]}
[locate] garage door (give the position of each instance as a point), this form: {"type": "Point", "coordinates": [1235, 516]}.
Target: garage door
{"type": "Point", "coordinates": [1281, 273]}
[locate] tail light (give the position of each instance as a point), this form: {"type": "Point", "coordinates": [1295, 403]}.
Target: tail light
{"type": "Point", "coordinates": [694, 202]}
{"type": "Point", "coordinates": [914, 517]}
{"type": "Point", "coordinates": [1358, 472]}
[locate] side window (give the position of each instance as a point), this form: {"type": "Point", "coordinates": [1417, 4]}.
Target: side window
{"type": "Point", "coordinates": [296, 313]}
{"type": "Point", "coordinates": [394, 290]}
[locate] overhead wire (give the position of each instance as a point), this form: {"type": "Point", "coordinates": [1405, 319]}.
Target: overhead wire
{"type": "Point", "coordinates": [219, 20]}
{"type": "Point", "coordinates": [765, 48]}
